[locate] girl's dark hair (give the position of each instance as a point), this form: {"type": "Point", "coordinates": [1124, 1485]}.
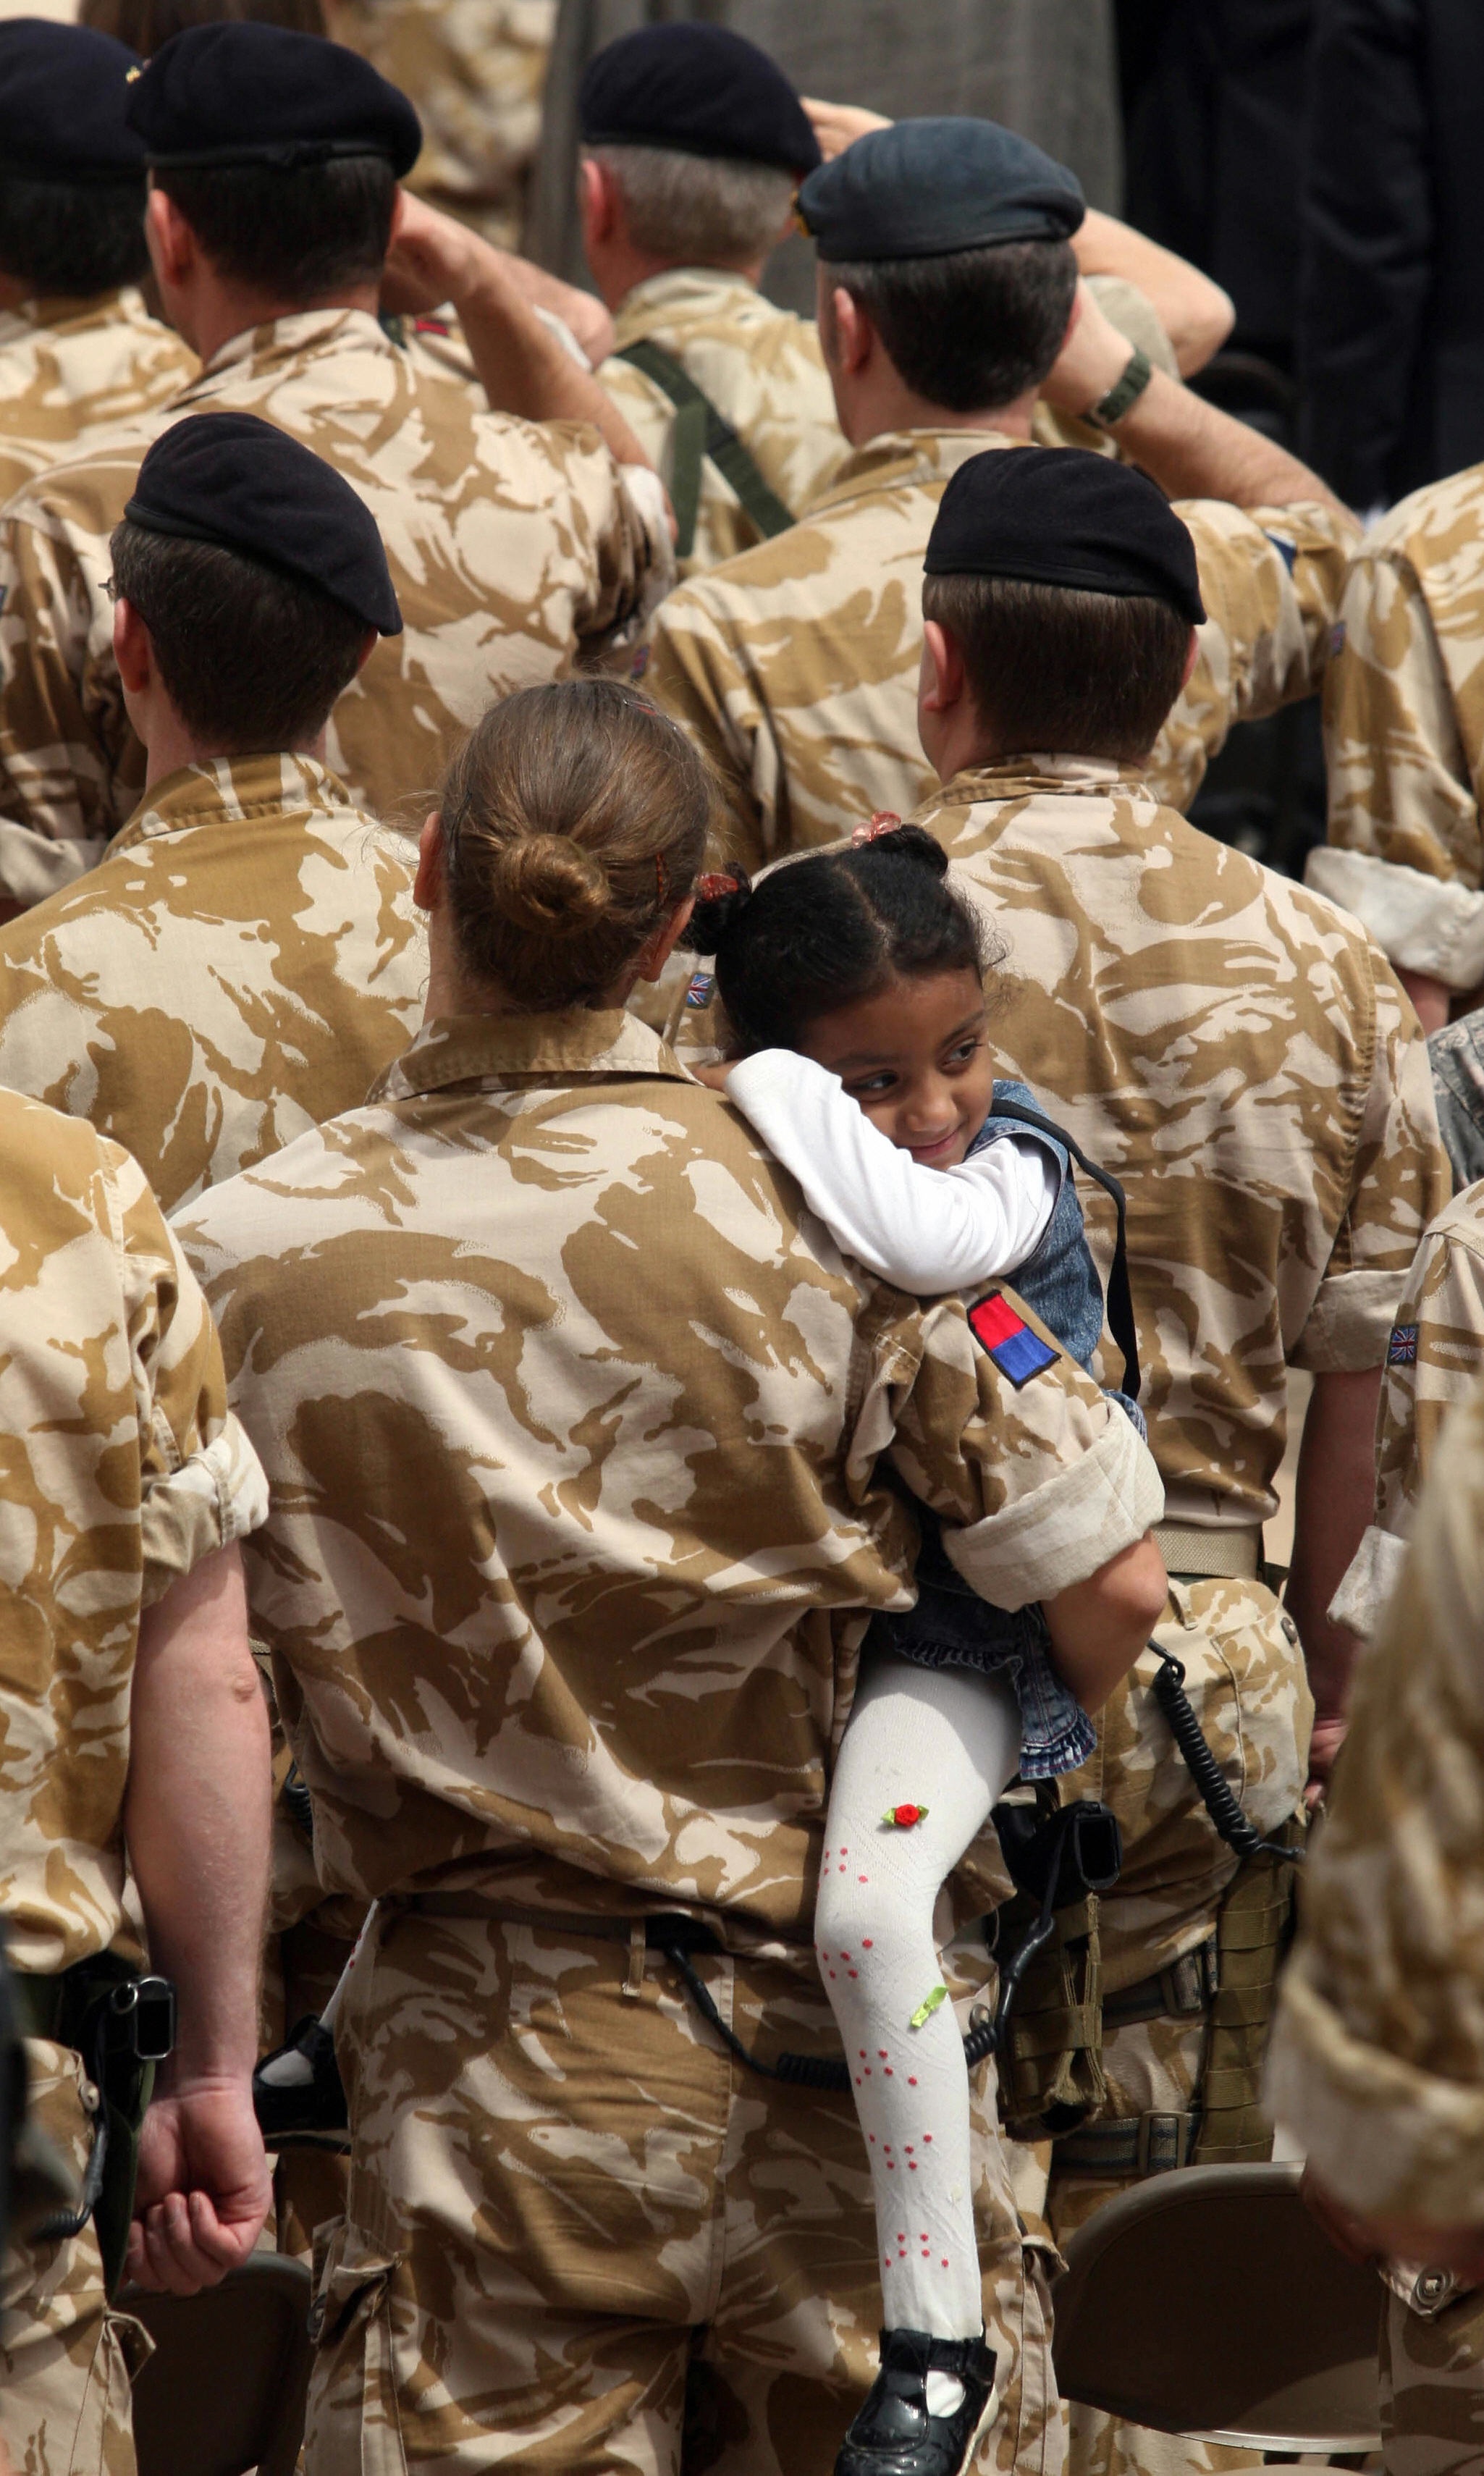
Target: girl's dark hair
{"type": "Point", "coordinates": [574, 820]}
{"type": "Point", "coordinates": [825, 931]}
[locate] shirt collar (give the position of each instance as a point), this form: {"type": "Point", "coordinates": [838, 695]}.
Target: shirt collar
{"type": "Point", "coordinates": [506, 1047]}
{"type": "Point", "coordinates": [698, 290]}
{"type": "Point", "coordinates": [907, 459]}
{"type": "Point", "coordinates": [232, 790]}
{"type": "Point", "coordinates": [287, 340]}
{"type": "Point", "coordinates": [1020, 778]}
{"type": "Point", "coordinates": [69, 309]}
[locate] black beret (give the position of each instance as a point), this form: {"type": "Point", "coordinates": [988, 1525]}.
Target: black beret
{"type": "Point", "coordinates": [923, 189]}
{"type": "Point", "coordinates": [1061, 515]}
{"type": "Point", "coordinates": [697, 89]}
{"type": "Point", "coordinates": [230, 479]}
{"type": "Point", "coordinates": [63, 94]}
{"type": "Point", "coordinates": [241, 92]}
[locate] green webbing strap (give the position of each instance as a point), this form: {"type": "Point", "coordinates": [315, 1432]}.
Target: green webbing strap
{"type": "Point", "coordinates": [699, 431]}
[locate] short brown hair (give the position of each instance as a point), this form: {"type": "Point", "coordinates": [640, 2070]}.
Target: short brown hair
{"type": "Point", "coordinates": [574, 820]}
{"type": "Point", "coordinates": [251, 657]}
{"type": "Point", "coordinates": [1067, 673]}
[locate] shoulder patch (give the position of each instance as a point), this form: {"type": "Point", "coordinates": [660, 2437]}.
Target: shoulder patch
{"type": "Point", "coordinates": [1401, 1349]}
{"type": "Point", "coordinates": [699, 993]}
{"type": "Point", "coordinates": [640, 663]}
{"type": "Point", "coordinates": [1016, 1350]}
{"type": "Point", "coordinates": [1337, 637]}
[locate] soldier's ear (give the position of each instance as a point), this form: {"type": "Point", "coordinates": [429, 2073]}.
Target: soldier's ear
{"type": "Point", "coordinates": [597, 198]}
{"type": "Point", "coordinates": [368, 645]}
{"type": "Point", "coordinates": [170, 240]}
{"type": "Point", "coordinates": [941, 681]}
{"type": "Point", "coordinates": [1191, 657]}
{"type": "Point", "coordinates": [428, 884]}
{"type": "Point", "coordinates": [131, 648]}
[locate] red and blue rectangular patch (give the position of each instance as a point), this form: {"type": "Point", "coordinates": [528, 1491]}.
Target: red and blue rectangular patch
{"type": "Point", "coordinates": [1016, 1350]}
{"type": "Point", "coordinates": [1401, 1349]}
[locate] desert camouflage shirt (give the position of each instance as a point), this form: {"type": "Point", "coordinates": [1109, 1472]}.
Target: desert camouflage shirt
{"type": "Point", "coordinates": [1433, 1355]}
{"type": "Point", "coordinates": [1378, 2059]}
{"type": "Point", "coordinates": [476, 71]}
{"type": "Point", "coordinates": [763, 369]}
{"type": "Point", "coordinates": [1404, 734]}
{"type": "Point", "coordinates": [122, 1471]}
{"type": "Point", "coordinates": [244, 961]}
{"type": "Point", "coordinates": [512, 545]}
{"type": "Point", "coordinates": [71, 371]}
{"type": "Point", "coordinates": [577, 1428]}
{"type": "Point", "coordinates": [795, 666]}
{"type": "Point", "coordinates": [1236, 1051]}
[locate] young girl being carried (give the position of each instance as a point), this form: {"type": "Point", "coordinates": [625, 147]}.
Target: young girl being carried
{"type": "Point", "coordinates": [853, 984]}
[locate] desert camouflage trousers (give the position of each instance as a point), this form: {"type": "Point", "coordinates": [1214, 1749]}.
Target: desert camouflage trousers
{"type": "Point", "coordinates": [580, 2236]}
{"type": "Point", "coordinates": [1432, 2386]}
{"type": "Point", "coordinates": [66, 2359]}
{"type": "Point", "coordinates": [1245, 1677]}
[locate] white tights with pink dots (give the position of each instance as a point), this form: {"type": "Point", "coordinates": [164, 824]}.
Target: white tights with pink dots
{"type": "Point", "coordinates": [948, 1740]}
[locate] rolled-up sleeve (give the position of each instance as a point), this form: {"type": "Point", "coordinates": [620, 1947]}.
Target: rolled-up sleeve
{"type": "Point", "coordinates": [1038, 1482]}
{"type": "Point", "coordinates": [1403, 709]}
{"type": "Point", "coordinates": [1272, 580]}
{"type": "Point", "coordinates": [1400, 1181]}
{"type": "Point", "coordinates": [202, 1485]}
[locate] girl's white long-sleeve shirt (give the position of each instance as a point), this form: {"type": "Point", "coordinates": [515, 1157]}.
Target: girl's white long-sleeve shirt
{"type": "Point", "coordinates": [925, 1229]}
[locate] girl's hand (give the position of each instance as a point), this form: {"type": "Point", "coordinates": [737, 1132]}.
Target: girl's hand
{"type": "Point", "coordinates": [715, 1075]}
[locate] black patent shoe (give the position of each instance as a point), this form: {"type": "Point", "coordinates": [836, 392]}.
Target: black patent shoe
{"type": "Point", "coordinates": [894, 2434]}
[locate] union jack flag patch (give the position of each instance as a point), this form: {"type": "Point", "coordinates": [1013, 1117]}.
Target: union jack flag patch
{"type": "Point", "coordinates": [1401, 1349]}
{"type": "Point", "coordinates": [1016, 1350]}
{"type": "Point", "coordinates": [699, 993]}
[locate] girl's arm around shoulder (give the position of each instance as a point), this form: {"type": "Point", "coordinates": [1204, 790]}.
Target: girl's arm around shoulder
{"type": "Point", "coordinates": [927, 1230]}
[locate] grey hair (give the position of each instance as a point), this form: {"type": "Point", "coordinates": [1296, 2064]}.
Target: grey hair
{"type": "Point", "coordinates": [698, 210]}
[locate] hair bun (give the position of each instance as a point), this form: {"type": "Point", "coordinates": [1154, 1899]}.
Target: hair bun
{"type": "Point", "coordinates": [721, 895]}
{"type": "Point", "coordinates": [550, 886]}
{"type": "Point", "coordinates": [909, 842]}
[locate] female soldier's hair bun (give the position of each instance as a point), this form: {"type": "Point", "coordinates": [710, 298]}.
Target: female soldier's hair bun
{"type": "Point", "coordinates": [549, 886]}
{"type": "Point", "coordinates": [573, 822]}
{"type": "Point", "coordinates": [722, 896]}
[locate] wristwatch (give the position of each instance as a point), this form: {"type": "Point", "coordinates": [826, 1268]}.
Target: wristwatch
{"type": "Point", "coordinates": [1125, 394]}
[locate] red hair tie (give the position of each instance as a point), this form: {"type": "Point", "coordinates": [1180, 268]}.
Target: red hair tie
{"type": "Point", "coordinates": [711, 887]}
{"type": "Point", "coordinates": [662, 881]}
{"type": "Point", "coordinates": [882, 822]}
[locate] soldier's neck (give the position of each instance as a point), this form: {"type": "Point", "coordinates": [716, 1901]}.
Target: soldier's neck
{"type": "Point", "coordinates": [623, 267]}
{"type": "Point", "coordinates": [219, 311]}
{"type": "Point", "coordinates": [171, 746]}
{"type": "Point", "coordinates": [884, 405]}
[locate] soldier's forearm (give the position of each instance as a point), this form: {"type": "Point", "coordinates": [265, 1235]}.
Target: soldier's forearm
{"type": "Point", "coordinates": [1334, 1498]}
{"type": "Point", "coordinates": [525, 369]}
{"type": "Point", "coordinates": [197, 1813]}
{"type": "Point", "coordinates": [1195, 451]}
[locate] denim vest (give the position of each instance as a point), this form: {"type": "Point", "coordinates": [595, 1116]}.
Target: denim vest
{"type": "Point", "coordinates": [951, 1625]}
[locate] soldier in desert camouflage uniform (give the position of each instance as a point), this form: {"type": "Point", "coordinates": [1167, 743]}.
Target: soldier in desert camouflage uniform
{"type": "Point", "coordinates": [795, 666]}
{"type": "Point", "coordinates": [1432, 2334]}
{"type": "Point", "coordinates": [79, 352]}
{"type": "Point", "coordinates": [1160, 987]}
{"type": "Point", "coordinates": [510, 545]}
{"type": "Point", "coordinates": [1404, 740]}
{"type": "Point", "coordinates": [585, 1598]}
{"type": "Point", "coordinates": [132, 1715]}
{"type": "Point", "coordinates": [475, 72]}
{"type": "Point", "coordinates": [247, 957]}
{"type": "Point", "coordinates": [695, 141]}
{"type": "Point", "coordinates": [1378, 2062]}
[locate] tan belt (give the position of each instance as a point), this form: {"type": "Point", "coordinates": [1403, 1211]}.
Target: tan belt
{"type": "Point", "coordinates": [1210, 1556]}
